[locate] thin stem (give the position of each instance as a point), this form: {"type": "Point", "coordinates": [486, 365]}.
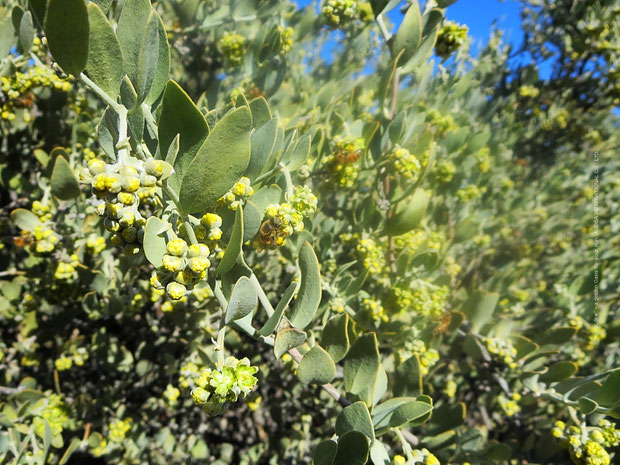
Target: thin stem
{"type": "Point", "coordinates": [221, 333]}
{"type": "Point", "coordinates": [289, 181]}
{"type": "Point", "coordinates": [403, 442]}
{"type": "Point", "coordinates": [264, 300]}
{"type": "Point", "coordinates": [101, 93]}
{"type": "Point", "coordinates": [264, 176]}
{"type": "Point", "coordinates": [384, 32]}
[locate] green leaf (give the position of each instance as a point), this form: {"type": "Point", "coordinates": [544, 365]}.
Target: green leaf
{"type": "Point", "coordinates": [39, 8]}
{"type": "Point", "coordinates": [556, 336]}
{"type": "Point", "coordinates": [498, 452]}
{"type": "Point", "coordinates": [335, 337]}
{"type": "Point", "coordinates": [148, 57]}
{"type": "Point", "coordinates": [398, 411]}
{"type": "Point", "coordinates": [300, 153]}
{"type": "Point", "coordinates": [132, 24]}
{"type": "Point", "coordinates": [252, 218]}
{"type": "Point", "coordinates": [324, 453]}
{"type": "Point", "coordinates": [154, 242]}
{"type": "Point", "coordinates": [179, 116]}
{"type": "Point", "coordinates": [233, 249]}
{"type": "Point", "coordinates": [287, 339]}
{"type": "Point", "coordinates": [105, 63]}
{"type": "Point", "coordinates": [272, 323]}
{"type": "Point", "coordinates": [379, 454]}
{"type": "Point", "coordinates": [409, 35]}
{"type": "Point", "coordinates": [162, 73]}
{"type": "Point", "coordinates": [317, 367]}
{"type": "Point", "coordinates": [7, 36]}
{"type": "Point", "coordinates": [309, 295]}
{"type": "Point", "coordinates": [408, 378]}
{"type": "Point", "coordinates": [219, 163]}
{"type": "Point", "coordinates": [261, 114]}
{"type": "Point", "coordinates": [26, 32]}
{"type": "Point", "coordinates": [408, 214]}
{"type": "Point", "coordinates": [479, 308]}
{"type": "Point", "coordinates": [263, 141]}
{"type": "Point", "coordinates": [63, 182]}
{"type": "Point", "coordinates": [607, 396]}
{"type": "Point", "coordinates": [265, 196]}
{"type": "Point", "coordinates": [242, 301]}
{"type": "Point", "coordinates": [25, 219]}
{"type": "Point", "coordinates": [586, 405]}
{"type": "Point", "coordinates": [559, 371]}
{"type": "Point", "coordinates": [73, 446]}
{"type": "Point", "coordinates": [352, 449]}
{"type": "Point", "coordinates": [355, 417]}
{"type": "Point", "coordinates": [66, 29]}
{"type": "Point", "coordinates": [361, 368]}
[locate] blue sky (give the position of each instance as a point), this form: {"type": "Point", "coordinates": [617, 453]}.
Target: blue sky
{"type": "Point", "coordinates": [479, 16]}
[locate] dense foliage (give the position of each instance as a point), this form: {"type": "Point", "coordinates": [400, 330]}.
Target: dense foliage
{"type": "Point", "coordinates": [221, 247]}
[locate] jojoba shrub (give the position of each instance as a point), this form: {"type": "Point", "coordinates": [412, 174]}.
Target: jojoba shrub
{"type": "Point", "coordinates": [224, 243]}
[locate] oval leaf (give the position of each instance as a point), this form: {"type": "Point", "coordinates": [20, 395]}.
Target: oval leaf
{"type": "Point", "coordinates": [287, 339]}
{"type": "Point", "coordinates": [233, 249]}
{"type": "Point", "coordinates": [317, 367]}
{"type": "Point", "coordinates": [154, 242]}
{"type": "Point", "coordinates": [63, 182]}
{"type": "Point", "coordinates": [309, 295]}
{"type": "Point", "coordinates": [242, 301]}
{"type": "Point", "coordinates": [409, 35]}
{"type": "Point", "coordinates": [219, 163]}
{"type": "Point", "coordinates": [361, 368]}
{"type": "Point", "coordinates": [66, 29]}
{"type": "Point", "coordinates": [355, 417]}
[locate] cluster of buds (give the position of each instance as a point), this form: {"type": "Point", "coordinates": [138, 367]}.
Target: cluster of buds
{"type": "Point", "coordinates": [43, 239]}
{"type": "Point", "coordinates": [66, 270]}
{"type": "Point", "coordinates": [285, 219]}
{"type": "Point", "coordinates": [55, 413]}
{"type": "Point", "coordinates": [510, 406]}
{"type": "Point", "coordinates": [371, 252]}
{"type": "Point", "coordinates": [596, 334]}
{"type": "Point", "coordinates": [209, 228]}
{"type": "Point", "coordinates": [339, 12]}
{"type": "Point", "coordinates": [342, 164]}
{"type": "Point", "coordinates": [216, 388]}
{"type": "Point", "coordinates": [421, 297]}
{"type": "Point", "coordinates": [528, 92]}
{"type": "Point", "coordinates": [95, 244]}
{"type": "Point", "coordinates": [42, 210]}
{"type": "Point", "coordinates": [405, 163]}
{"type": "Point", "coordinates": [122, 187]}
{"type": "Point", "coordinates": [65, 362]}
{"type": "Point", "coordinates": [286, 39]}
{"type": "Point", "coordinates": [470, 192]}
{"type": "Point", "coordinates": [375, 309]}
{"type": "Point", "coordinates": [417, 457]}
{"type": "Point", "coordinates": [483, 159]}
{"type": "Point", "coordinates": [232, 46]}
{"type": "Point", "coordinates": [240, 192]}
{"type": "Point", "coordinates": [119, 429]}
{"type": "Point", "coordinates": [427, 355]}
{"type": "Point", "coordinates": [451, 36]}
{"type": "Point", "coordinates": [502, 350]}
{"type": "Point", "coordinates": [17, 90]}
{"type": "Point", "coordinates": [182, 268]}
{"type": "Point", "coordinates": [587, 444]}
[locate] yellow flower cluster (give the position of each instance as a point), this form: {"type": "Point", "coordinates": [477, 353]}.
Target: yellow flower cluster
{"type": "Point", "coordinates": [375, 309]}
{"type": "Point", "coordinates": [427, 356]}
{"type": "Point", "coordinates": [503, 350]}
{"type": "Point", "coordinates": [171, 394]}
{"type": "Point", "coordinates": [119, 429]}
{"type": "Point", "coordinates": [405, 163]}
{"type": "Point", "coordinates": [339, 12]}
{"type": "Point", "coordinates": [587, 445]}
{"type": "Point", "coordinates": [444, 172]}
{"type": "Point", "coordinates": [55, 413]}
{"type": "Point", "coordinates": [470, 193]}
{"type": "Point", "coordinates": [421, 297]}
{"type": "Point", "coordinates": [371, 252]}
{"type": "Point", "coordinates": [596, 334]}
{"type": "Point", "coordinates": [122, 188]}
{"type": "Point", "coordinates": [528, 92]}
{"type": "Point", "coordinates": [240, 192]}
{"type": "Point", "coordinates": [42, 210]}
{"type": "Point", "coordinates": [342, 164]}
{"type": "Point", "coordinates": [95, 244]}
{"type": "Point", "coordinates": [232, 46]}
{"type": "Point", "coordinates": [450, 37]}
{"type": "Point", "coordinates": [442, 122]}
{"type": "Point", "coordinates": [182, 268]}
{"type": "Point", "coordinates": [65, 362]}
{"type": "Point", "coordinates": [510, 406]}
{"type": "Point", "coordinates": [417, 457]}
{"type": "Point", "coordinates": [45, 239]}
{"type": "Point", "coordinates": [66, 270]}
{"type": "Point", "coordinates": [483, 159]}
{"type": "Point", "coordinates": [286, 39]}
{"type": "Point", "coordinates": [18, 89]}
{"type": "Point", "coordinates": [285, 219]}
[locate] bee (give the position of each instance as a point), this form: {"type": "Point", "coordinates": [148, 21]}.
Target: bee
{"type": "Point", "coordinates": [345, 157]}
{"type": "Point", "coordinates": [25, 101]}
{"type": "Point", "coordinates": [445, 320]}
{"type": "Point", "coordinates": [270, 231]}
{"type": "Point", "coordinates": [24, 240]}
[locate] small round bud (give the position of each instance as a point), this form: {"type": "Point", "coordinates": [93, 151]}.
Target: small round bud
{"type": "Point", "coordinates": [117, 240]}
{"type": "Point", "coordinates": [173, 263]}
{"type": "Point", "coordinates": [111, 225]}
{"type": "Point", "coordinates": [146, 180]}
{"type": "Point", "coordinates": [127, 219]}
{"type": "Point", "coordinates": [96, 166]}
{"type": "Point", "coordinates": [130, 183]}
{"type": "Point", "coordinates": [127, 198]}
{"type": "Point", "coordinates": [198, 250]}
{"type": "Point", "coordinates": [129, 234]}
{"type": "Point", "coordinates": [128, 171]}
{"type": "Point", "coordinates": [175, 290]}
{"type": "Point", "coordinates": [113, 211]}
{"type": "Point", "coordinates": [198, 264]}
{"type": "Point", "coordinates": [177, 247]}
{"type": "Point", "coordinates": [211, 220]}
{"type": "Point", "coordinates": [215, 234]}
{"type": "Point", "coordinates": [154, 167]}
